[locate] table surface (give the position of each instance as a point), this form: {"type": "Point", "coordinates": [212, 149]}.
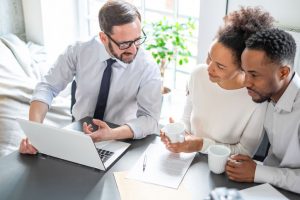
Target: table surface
{"type": "Point", "coordinates": [44, 177]}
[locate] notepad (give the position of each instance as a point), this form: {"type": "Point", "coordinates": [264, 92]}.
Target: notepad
{"type": "Point", "coordinates": [130, 189]}
{"type": "Point", "coordinates": [162, 168]}
{"type": "Point", "coordinates": [262, 192]}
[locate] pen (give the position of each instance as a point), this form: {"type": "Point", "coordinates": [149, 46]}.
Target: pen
{"type": "Point", "coordinates": [145, 162]}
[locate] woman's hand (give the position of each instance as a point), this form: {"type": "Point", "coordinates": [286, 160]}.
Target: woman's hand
{"type": "Point", "coordinates": [191, 143]}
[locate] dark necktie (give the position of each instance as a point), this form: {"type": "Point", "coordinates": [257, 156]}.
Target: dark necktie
{"type": "Point", "coordinates": [104, 90]}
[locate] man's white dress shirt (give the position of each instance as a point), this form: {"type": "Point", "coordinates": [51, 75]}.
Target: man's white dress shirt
{"type": "Point", "coordinates": [282, 165]}
{"type": "Point", "coordinates": [135, 90]}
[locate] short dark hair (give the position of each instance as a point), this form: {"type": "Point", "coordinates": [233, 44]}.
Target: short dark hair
{"type": "Point", "coordinates": [240, 25]}
{"type": "Point", "coordinates": [115, 13]}
{"type": "Point", "coordinates": [279, 46]}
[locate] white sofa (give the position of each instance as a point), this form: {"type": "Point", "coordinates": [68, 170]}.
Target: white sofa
{"type": "Point", "coordinates": [21, 67]}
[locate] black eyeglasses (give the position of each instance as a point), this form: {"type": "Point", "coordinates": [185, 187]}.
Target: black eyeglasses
{"type": "Point", "coordinates": [127, 44]}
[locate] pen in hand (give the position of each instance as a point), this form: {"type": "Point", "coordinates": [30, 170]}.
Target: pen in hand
{"type": "Point", "coordinates": [144, 163]}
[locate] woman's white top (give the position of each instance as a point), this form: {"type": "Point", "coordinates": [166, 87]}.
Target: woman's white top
{"type": "Point", "coordinates": [222, 116]}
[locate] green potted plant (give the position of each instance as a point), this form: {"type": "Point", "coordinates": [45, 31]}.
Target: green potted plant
{"type": "Point", "coordinates": [168, 43]}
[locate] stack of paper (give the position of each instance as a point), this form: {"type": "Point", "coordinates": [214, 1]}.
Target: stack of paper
{"type": "Point", "coordinates": [135, 190]}
{"type": "Point", "coordinates": [262, 192]}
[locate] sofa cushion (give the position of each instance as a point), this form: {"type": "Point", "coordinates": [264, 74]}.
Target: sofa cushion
{"type": "Point", "coordinates": [9, 66]}
{"type": "Point", "coordinates": [20, 51]}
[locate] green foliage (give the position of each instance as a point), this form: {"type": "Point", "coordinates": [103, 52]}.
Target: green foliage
{"type": "Point", "coordinates": [168, 42]}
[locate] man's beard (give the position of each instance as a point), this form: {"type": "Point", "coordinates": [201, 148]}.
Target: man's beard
{"type": "Point", "coordinates": [121, 56]}
{"type": "Point", "coordinates": [261, 98]}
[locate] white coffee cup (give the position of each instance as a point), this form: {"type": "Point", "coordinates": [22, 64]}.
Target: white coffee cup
{"type": "Point", "coordinates": [175, 132]}
{"type": "Point", "coordinates": [217, 158]}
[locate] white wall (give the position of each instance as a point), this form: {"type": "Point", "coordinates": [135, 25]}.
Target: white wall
{"type": "Point", "coordinates": [52, 23]}
{"type": "Point", "coordinates": [33, 21]}
{"type": "Point", "coordinates": [211, 17]}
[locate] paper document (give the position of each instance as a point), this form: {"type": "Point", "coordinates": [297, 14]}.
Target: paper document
{"type": "Point", "coordinates": [159, 166]}
{"type": "Point", "coordinates": [262, 192]}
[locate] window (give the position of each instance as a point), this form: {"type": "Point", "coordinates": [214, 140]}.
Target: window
{"type": "Point", "coordinates": [153, 10]}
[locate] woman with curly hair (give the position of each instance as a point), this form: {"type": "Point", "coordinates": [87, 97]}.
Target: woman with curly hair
{"type": "Point", "coordinates": [218, 108]}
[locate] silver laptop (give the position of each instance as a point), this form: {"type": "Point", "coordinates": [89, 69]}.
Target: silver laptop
{"type": "Point", "coordinates": [72, 145]}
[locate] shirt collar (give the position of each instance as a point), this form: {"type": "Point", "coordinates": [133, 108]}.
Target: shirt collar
{"type": "Point", "coordinates": [104, 55]}
{"type": "Point", "coordinates": [287, 100]}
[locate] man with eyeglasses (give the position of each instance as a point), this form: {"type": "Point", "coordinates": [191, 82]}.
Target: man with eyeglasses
{"type": "Point", "coordinates": [116, 80]}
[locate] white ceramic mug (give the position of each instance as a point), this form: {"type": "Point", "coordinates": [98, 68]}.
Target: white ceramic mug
{"type": "Point", "coordinates": [217, 158]}
{"type": "Point", "coordinates": [175, 132]}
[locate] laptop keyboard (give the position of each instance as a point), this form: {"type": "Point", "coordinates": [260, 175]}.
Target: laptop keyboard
{"type": "Point", "coordinates": [104, 154]}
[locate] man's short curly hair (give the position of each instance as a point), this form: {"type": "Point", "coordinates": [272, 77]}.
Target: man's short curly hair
{"type": "Point", "coordinates": [240, 25]}
{"type": "Point", "coordinates": [279, 46]}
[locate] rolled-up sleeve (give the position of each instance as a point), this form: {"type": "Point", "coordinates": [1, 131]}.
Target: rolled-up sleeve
{"type": "Point", "coordinates": [57, 78]}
